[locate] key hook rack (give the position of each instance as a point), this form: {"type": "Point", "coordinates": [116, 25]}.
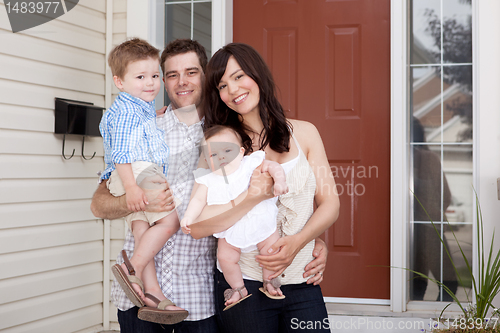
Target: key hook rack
{"type": "Point", "coordinates": [73, 153]}
{"type": "Point", "coordinates": [76, 118]}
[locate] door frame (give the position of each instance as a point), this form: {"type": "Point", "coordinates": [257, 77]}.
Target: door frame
{"type": "Point", "coordinates": [222, 19]}
{"type": "Point", "coordinates": [486, 76]}
{"type": "Point", "coordinates": [399, 155]}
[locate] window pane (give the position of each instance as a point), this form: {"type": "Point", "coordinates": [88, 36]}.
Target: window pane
{"type": "Point", "coordinates": [457, 26]}
{"type": "Point", "coordinates": [426, 45]}
{"type": "Point", "coordinates": [203, 26]}
{"type": "Point", "coordinates": [177, 22]}
{"type": "Point", "coordinates": [427, 184]}
{"type": "Point", "coordinates": [456, 114]}
{"type": "Point", "coordinates": [177, 25]}
{"type": "Point", "coordinates": [457, 100]}
{"type": "Point", "coordinates": [426, 102]}
{"type": "Point", "coordinates": [457, 165]}
{"type": "Point", "coordinates": [463, 233]}
{"type": "Point", "coordinates": [430, 258]}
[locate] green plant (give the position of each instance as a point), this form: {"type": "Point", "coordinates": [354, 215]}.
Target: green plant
{"type": "Point", "coordinates": [485, 286]}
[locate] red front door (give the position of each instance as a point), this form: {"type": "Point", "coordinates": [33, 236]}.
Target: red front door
{"type": "Point", "coordinates": [331, 62]}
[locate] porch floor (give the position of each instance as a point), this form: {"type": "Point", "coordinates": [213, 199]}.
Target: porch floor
{"type": "Point", "coordinates": [364, 318]}
{"type": "Point", "coordinates": [361, 318]}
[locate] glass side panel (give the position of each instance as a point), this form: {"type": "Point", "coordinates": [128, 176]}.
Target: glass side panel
{"type": "Point", "coordinates": [457, 103]}
{"type": "Point", "coordinates": [425, 40]}
{"type": "Point", "coordinates": [441, 125]}
{"type": "Point", "coordinates": [457, 36]}
{"type": "Point", "coordinates": [177, 22]}
{"type": "Point", "coordinates": [430, 258]}
{"type": "Point", "coordinates": [428, 184]}
{"type": "Point", "coordinates": [425, 102]}
{"type": "Point", "coordinates": [457, 166]}
{"type": "Point", "coordinates": [202, 29]}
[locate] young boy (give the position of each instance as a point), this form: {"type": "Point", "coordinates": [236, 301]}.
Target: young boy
{"type": "Point", "coordinates": [135, 149]}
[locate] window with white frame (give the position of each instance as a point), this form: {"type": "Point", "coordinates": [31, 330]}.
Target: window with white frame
{"type": "Point", "coordinates": [189, 19]}
{"type": "Point", "coordinates": [440, 107]}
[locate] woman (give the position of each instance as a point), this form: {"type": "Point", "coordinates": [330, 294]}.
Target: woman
{"type": "Point", "coordinates": [240, 92]}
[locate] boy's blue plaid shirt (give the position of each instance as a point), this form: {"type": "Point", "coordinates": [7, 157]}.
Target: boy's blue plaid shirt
{"type": "Point", "coordinates": [130, 134]}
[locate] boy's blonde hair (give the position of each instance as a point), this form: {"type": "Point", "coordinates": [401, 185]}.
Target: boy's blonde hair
{"type": "Point", "coordinates": [129, 51]}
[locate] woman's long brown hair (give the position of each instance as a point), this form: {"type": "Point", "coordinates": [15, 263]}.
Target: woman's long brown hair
{"type": "Point", "coordinates": [276, 131]}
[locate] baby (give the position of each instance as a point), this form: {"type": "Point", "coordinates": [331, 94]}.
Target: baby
{"type": "Point", "coordinates": [229, 176]}
{"type": "Point", "coordinates": [135, 149]}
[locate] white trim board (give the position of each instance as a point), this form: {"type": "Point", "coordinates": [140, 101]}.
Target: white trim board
{"type": "Point", "coordinates": [222, 23]}
{"type": "Point", "coordinates": [399, 154]}
{"type": "Point", "coordinates": [347, 300]}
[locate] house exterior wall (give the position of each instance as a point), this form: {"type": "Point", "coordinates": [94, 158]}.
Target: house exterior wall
{"type": "Point", "coordinates": [51, 246]}
{"type": "Point", "coordinates": [486, 44]}
{"type": "Point", "coordinates": [117, 227]}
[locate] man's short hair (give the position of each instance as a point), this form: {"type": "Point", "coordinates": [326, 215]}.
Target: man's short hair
{"type": "Point", "coordinates": [129, 51]}
{"type": "Point", "coordinates": [181, 46]}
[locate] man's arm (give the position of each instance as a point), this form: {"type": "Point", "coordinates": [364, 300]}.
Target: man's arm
{"type": "Point", "coordinates": [106, 206]}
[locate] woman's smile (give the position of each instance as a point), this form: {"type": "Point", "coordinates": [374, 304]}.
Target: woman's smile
{"type": "Point", "coordinates": [240, 98]}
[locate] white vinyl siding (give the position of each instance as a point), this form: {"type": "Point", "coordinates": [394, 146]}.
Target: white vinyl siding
{"type": "Point", "coordinates": [51, 246]}
{"type": "Point", "coordinates": [119, 35]}
{"type": "Point", "coordinates": [117, 227]}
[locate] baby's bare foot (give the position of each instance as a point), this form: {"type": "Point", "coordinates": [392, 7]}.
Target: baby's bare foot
{"type": "Point", "coordinates": [272, 290]}
{"type": "Point", "coordinates": [235, 297]}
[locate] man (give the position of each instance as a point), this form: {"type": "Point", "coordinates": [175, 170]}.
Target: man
{"type": "Point", "coordinates": [184, 265]}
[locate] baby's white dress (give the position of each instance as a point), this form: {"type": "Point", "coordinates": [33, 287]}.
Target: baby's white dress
{"type": "Point", "coordinates": [257, 224]}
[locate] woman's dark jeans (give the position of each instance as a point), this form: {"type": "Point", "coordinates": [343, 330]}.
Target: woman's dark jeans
{"type": "Point", "coordinates": [303, 309]}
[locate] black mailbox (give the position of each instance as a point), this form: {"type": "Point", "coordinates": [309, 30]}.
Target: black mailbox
{"type": "Point", "coordinates": [75, 117]}
{"type": "Point", "coordinates": [79, 118]}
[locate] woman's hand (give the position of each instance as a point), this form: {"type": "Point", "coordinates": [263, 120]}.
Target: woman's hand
{"type": "Point", "coordinates": [287, 248]}
{"type": "Point", "coordinates": [316, 267]}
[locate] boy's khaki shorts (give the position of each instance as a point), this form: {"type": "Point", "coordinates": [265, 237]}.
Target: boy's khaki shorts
{"type": "Point", "coordinates": [145, 174]}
